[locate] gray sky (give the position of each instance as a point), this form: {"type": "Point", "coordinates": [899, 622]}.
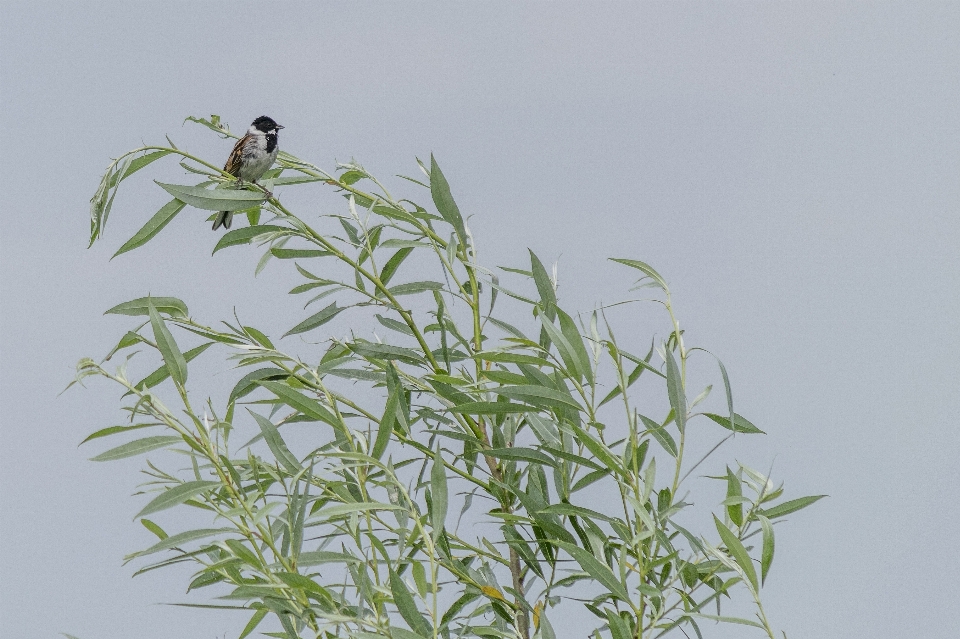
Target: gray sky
{"type": "Point", "coordinates": [792, 170]}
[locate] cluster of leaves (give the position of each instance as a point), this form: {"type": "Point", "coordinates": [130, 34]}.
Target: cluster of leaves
{"type": "Point", "coordinates": [354, 536]}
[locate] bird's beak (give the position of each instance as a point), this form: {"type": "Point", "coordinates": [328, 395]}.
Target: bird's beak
{"type": "Point", "coordinates": [279, 127]}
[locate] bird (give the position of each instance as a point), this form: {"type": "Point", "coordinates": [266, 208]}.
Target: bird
{"type": "Point", "coordinates": [252, 156]}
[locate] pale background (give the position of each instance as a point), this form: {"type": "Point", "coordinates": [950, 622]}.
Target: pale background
{"type": "Point", "coordinates": [791, 169]}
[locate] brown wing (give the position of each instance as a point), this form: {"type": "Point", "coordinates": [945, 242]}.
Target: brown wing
{"type": "Point", "coordinates": [236, 157]}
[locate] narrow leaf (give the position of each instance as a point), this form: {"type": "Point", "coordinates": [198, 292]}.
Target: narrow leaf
{"type": "Point", "coordinates": [172, 356]}
{"type": "Point", "coordinates": [596, 569]}
{"type": "Point", "coordinates": [245, 235]}
{"type": "Point", "coordinates": [153, 226]}
{"type": "Point", "coordinates": [408, 607]}
{"type": "Point", "coordinates": [277, 446]}
{"type": "Point", "coordinates": [316, 320]}
{"type": "Point", "coordinates": [738, 552]}
{"type": "Point", "coordinates": [214, 199]}
{"type": "Point", "coordinates": [791, 506]}
{"type": "Point", "coordinates": [141, 306]}
{"type": "Point", "coordinates": [175, 496]}
{"type": "Point", "coordinates": [137, 447]}
{"type": "Point", "coordinates": [678, 399]}
{"type": "Point", "coordinates": [438, 491]}
{"type": "Point", "coordinates": [443, 200]}
{"type": "Point", "coordinates": [766, 557]}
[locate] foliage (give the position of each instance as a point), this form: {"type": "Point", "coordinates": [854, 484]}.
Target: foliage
{"type": "Point", "coordinates": [358, 535]}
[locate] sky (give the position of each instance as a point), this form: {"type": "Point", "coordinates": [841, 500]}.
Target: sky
{"type": "Point", "coordinates": [793, 170]}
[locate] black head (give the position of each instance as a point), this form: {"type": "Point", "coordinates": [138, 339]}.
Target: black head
{"type": "Point", "coordinates": [266, 125]}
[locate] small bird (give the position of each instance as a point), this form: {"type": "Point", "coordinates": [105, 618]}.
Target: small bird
{"type": "Point", "coordinates": [252, 156]}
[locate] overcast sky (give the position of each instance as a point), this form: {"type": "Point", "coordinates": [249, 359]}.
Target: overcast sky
{"type": "Point", "coordinates": [791, 169]}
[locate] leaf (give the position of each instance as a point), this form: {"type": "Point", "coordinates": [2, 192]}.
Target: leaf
{"type": "Point", "coordinates": [438, 491]}
{"type": "Point", "coordinates": [734, 490]}
{"type": "Point", "coordinates": [548, 296]}
{"type": "Point", "coordinates": [389, 419]}
{"type": "Point", "coordinates": [414, 287]}
{"type": "Point", "coordinates": [521, 454]}
{"type": "Point", "coordinates": [678, 399]}
{"type": "Point", "coordinates": [163, 372]}
{"type": "Point", "coordinates": [214, 199]}
{"type": "Point", "coordinates": [741, 425]}
{"type": "Point", "coordinates": [249, 381]}
{"type": "Point", "coordinates": [245, 235]}
{"type": "Point", "coordinates": [306, 405]}
{"type": "Point", "coordinates": [738, 552]}
{"type": "Point", "coordinates": [595, 568]}
{"type": "Point", "coordinates": [408, 607]}
{"type": "Point", "coordinates": [153, 226]}
{"type": "Point", "coordinates": [277, 446]}
{"type": "Point", "coordinates": [179, 539]}
{"type": "Point", "coordinates": [113, 430]}
{"type": "Point", "coordinates": [491, 408]}
{"type": "Point", "coordinates": [176, 495]}
{"type": "Point", "coordinates": [316, 320]}
{"type": "Point", "coordinates": [443, 200]}
{"type": "Point", "coordinates": [372, 350]}
{"type": "Point", "coordinates": [574, 339]}
{"type": "Point", "coordinates": [791, 506]}
{"type": "Point", "coordinates": [155, 529]}
{"type": "Point", "coordinates": [646, 269]}
{"type": "Point", "coordinates": [292, 254]}
{"type": "Point", "coordinates": [172, 356]}
{"type": "Point", "coordinates": [393, 264]}
{"type": "Point", "coordinates": [538, 394]}
{"type": "Point", "coordinates": [766, 557]}
{"type": "Point", "coordinates": [255, 620]}
{"type": "Point", "coordinates": [141, 306]}
{"type": "Point", "coordinates": [137, 447]}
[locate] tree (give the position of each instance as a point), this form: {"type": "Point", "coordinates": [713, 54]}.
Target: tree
{"type": "Point", "coordinates": [356, 535]}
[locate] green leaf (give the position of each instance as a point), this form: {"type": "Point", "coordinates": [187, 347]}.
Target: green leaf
{"type": "Point", "coordinates": [372, 350]}
{"type": "Point", "coordinates": [734, 490]}
{"type": "Point", "coordinates": [153, 226]}
{"type": "Point", "coordinates": [155, 529]}
{"type": "Point", "coordinates": [491, 408]}
{"type": "Point", "coordinates": [277, 446]}
{"type": "Point", "coordinates": [678, 399]}
{"type": "Point", "coordinates": [414, 287]}
{"type": "Point", "coordinates": [316, 320]}
{"type": "Point", "coordinates": [214, 199]}
{"type": "Point", "coordinates": [141, 306]}
{"type": "Point", "coordinates": [292, 254]}
{"type": "Point", "coordinates": [113, 430]}
{"type": "Point", "coordinates": [172, 356]}
{"type": "Point", "coordinates": [390, 268]}
{"type": "Point", "coordinates": [408, 607]}
{"type": "Point", "coordinates": [176, 496]}
{"type": "Point", "coordinates": [255, 620]}
{"type": "Point", "coordinates": [538, 394]}
{"type": "Point", "coordinates": [548, 296]}
{"type": "Point", "coordinates": [596, 569]}
{"type": "Point", "coordinates": [646, 269]}
{"type": "Point", "coordinates": [389, 419]}
{"type": "Point", "coordinates": [137, 447]}
{"type": "Point", "coordinates": [249, 381]}
{"type": "Point", "coordinates": [163, 372]}
{"type": "Point", "coordinates": [341, 510]}
{"type": "Point", "coordinates": [443, 200]}
{"type": "Point", "coordinates": [574, 511]}
{"type": "Point", "coordinates": [766, 557]}
{"type": "Point", "coordinates": [438, 491]}
{"type": "Point", "coordinates": [738, 552]}
{"type": "Point", "coordinates": [791, 506]}
{"type": "Point", "coordinates": [245, 235]}
{"type": "Point", "coordinates": [295, 580]}
{"type": "Point", "coordinates": [741, 425]}
{"type": "Point", "coordinates": [563, 347]}
{"type": "Point", "coordinates": [306, 405]}
{"type": "Point", "coordinates": [519, 453]}
{"type": "Point", "coordinates": [179, 539]}
{"type": "Point", "coordinates": [574, 339]}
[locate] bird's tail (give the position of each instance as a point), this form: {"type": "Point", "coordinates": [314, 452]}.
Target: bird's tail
{"type": "Point", "coordinates": [224, 219]}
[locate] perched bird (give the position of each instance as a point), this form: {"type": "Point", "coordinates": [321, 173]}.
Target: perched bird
{"type": "Point", "coordinates": [254, 153]}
